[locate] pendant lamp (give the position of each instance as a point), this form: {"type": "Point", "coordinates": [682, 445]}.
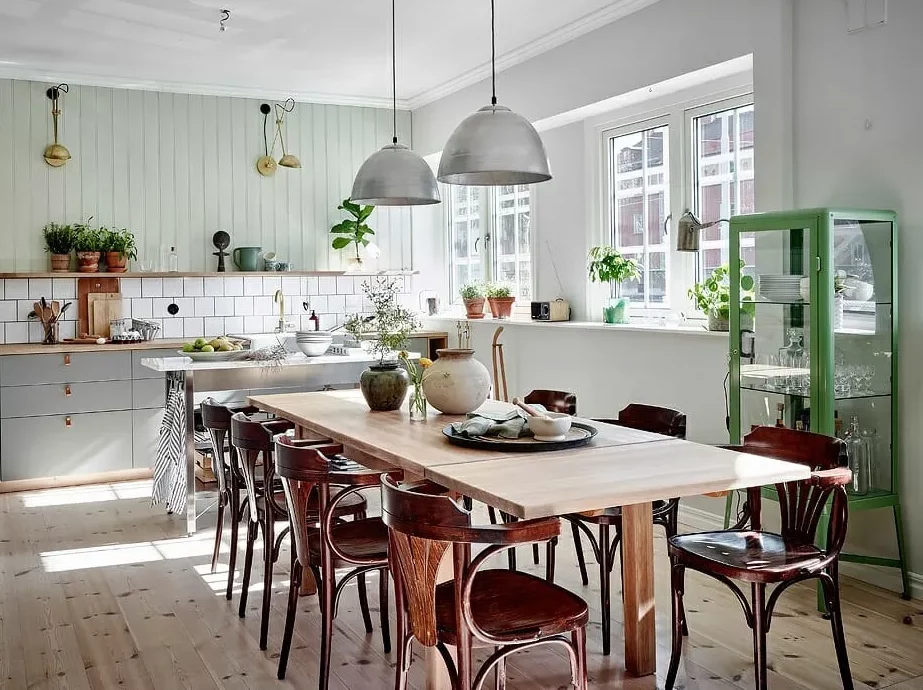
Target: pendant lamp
{"type": "Point", "coordinates": [395, 175]}
{"type": "Point", "coordinates": [494, 146]}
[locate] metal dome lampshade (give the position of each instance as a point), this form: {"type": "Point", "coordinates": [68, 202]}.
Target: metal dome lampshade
{"type": "Point", "coordinates": [494, 146]}
{"type": "Point", "coordinates": [395, 175]}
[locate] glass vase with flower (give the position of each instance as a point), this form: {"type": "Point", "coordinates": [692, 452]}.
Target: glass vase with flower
{"type": "Point", "coordinates": [417, 372]}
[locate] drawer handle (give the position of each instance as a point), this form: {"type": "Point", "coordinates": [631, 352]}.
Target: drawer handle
{"type": "Point", "coordinates": [68, 422]}
{"type": "Point", "coordinates": [67, 360]}
{"type": "Point", "coordinates": [67, 390]}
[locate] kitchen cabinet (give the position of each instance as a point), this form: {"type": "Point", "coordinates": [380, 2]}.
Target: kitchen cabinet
{"type": "Point", "coordinates": [65, 398]}
{"type": "Point", "coordinates": [145, 428]}
{"type": "Point", "coordinates": [30, 370]}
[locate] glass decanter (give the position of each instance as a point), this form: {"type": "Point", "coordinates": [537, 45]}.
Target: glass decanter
{"type": "Point", "coordinates": [791, 357]}
{"type": "Point", "coordinates": [857, 451]}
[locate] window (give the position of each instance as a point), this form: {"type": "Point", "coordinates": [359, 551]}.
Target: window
{"type": "Point", "coordinates": [490, 237]}
{"type": "Point", "coordinates": [638, 203]}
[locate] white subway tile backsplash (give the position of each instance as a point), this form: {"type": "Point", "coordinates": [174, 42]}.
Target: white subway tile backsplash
{"type": "Point", "coordinates": [142, 308]}
{"type": "Point", "coordinates": [326, 285]}
{"type": "Point", "coordinates": [193, 327]}
{"type": "Point", "coordinates": [172, 287]}
{"type": "Point", "coordinates": [336, 303]}
{"type": "Point", "coordinates": [214, 287]}
{"type": "Point", "coordinates": [353, 303]}
{"type": "Point", "coordinates": [186, 306]}
{"type": "Point", "coordinates": [193, 287]}
{"type": "Point", "coordinates": [127, 312]}
{"type": "Point", "coordinates": [292, 285]}
{"type": "Point", "coordinates": [36, 332]}
{"type": "Point", "coordinates": [23, 307]}
{"type": "Point", "coordinates": [152, 287]}
{"type": "Point", "coordinates": [234, 286]}
{"type": "Point", "coordinates": [345, 285]}
{"type": "Point", "coordinates": [39, 287]}
{"type": "Point", "coordinates": [67, 329]}
{"type": "Point", "coordinates": [253, 324]}
{"type": "Point", "coordinates": [129, 287]}
{"type": "Point", "coordinates": [270, 323]}
{"type": "Point", "coordinates": [16, 288]}
{"type": "Point", "coordinates": [159, 307]}
{"type": "Point", "coordinates": [310, 283]}
{"type": "Point", "coordinates": [204, 306]}
{"type": "Point", "coordinates": [17, 333]}
{"type": "Point", "coordinates": [214, 325]}
{"type": "Point", "coordinates": [263, 305]}
{"type": "Point", "coordinates": [8, 310]}
{"type": "Point", "coordinates": [66, 288]}
{"type": "Point", "coordinates": [318, 303]}
{"type": "Point", "coordinates": [172, 328]}
{"type": "Point", "coordinates": [234, 324]}
{"type": "Point", "coordinates": [253, 285]}
{"type": "Point", "coordinates": [224, 306]}
{"type": "Point", "coordinates": [243, 306]}
{"type": "Point", "coordinates": [271, 284]}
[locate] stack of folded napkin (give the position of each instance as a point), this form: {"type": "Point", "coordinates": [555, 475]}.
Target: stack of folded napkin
{"type": "Point", "coordinates": [511, 425]}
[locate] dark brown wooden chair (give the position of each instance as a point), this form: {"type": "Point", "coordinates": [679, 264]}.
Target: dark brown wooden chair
{"type": "Point", "coordinates": [216, 418]}
{"type": "Point", "coordinates": [253, 442]}
{"type": "Point", "coordinates": [784, 558]}
{"type": "Point", "coordinates": [501, 609]}
{"type": "Point", "coordinates": [362, 544]}
{"type": "Point", "coordinates": [657, 420]}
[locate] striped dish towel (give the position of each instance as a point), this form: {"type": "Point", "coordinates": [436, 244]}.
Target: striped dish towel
{"type": "Point", "coordinates": [170, 466]}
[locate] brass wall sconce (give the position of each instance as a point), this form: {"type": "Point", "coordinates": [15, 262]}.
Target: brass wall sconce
{"type": "Point", "coordinates": [56, 154]}
{"type": "Point", "coordinates": [266, 164]}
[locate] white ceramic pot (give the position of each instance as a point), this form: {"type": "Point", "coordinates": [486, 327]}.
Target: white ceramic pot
{"type": "Point", "coordinates": [456, 383]}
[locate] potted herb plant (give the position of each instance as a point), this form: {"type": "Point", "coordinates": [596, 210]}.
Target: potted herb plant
{"type": "Point", "coordinates": [713, 296]}
{"type": "Point", "coordinates": [384, 385]}
{"type": "Point", "coordinates": [119, 246]}
{"type": "Point", "coordinates": [472, 295]}
{"type": "Point", "coordinates": [607, 265]}
{"type": "Point", "coordinates": [500, 298]}
{"type": "Point", "coordinates": [353, 231]}
{"type": "Point", "coordinates": [59, 243]}
{"type": "Point", "coordinates": [88, 242]}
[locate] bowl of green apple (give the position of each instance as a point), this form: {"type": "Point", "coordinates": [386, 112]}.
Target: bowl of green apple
{"type": "Point", "coordinates": [214, 350]}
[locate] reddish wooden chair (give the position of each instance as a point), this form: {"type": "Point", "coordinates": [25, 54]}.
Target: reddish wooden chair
{"type": "Point", "coordinates": [253, 442]}
{"type": "Point", "coordinates": [783, 558]}
{"type": "Point", "coordinates": [507, 610]}
{"type": "Point", "coordinates": [362, 544]}
{"type": "Point", "coordinates": [657, 420]}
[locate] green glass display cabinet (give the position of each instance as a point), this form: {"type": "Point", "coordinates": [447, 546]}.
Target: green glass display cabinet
{"type": "Point", "coordinates": [822, 354]}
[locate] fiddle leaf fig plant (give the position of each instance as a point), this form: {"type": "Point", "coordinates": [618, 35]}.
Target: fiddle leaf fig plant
{"type": "Point", "coordinates": [353, 230]}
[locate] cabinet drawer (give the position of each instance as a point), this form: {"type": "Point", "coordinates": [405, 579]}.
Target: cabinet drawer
{"type": "Point", "coordinates": [148, 393]}
{"type": "Point", "coordinates": [25, 370]}
{"type": "Point", "coordinates": [139, 371]}
{"type": "Point", "coordinates": [145, 437]}
{"type": "Point", "coordinates": [37, 447]}
{"type": "Point", "coordinates": [64, 398]}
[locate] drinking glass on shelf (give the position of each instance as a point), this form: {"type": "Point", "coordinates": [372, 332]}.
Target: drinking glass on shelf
{"type": "Point", "coordinates": [865, 374]}
{"type": "Point", "coordinates": [841, 382]}
{"type": "Point", "coordinates": [765, 371]}
{"type": "Point", "coordinates": [146, 265]}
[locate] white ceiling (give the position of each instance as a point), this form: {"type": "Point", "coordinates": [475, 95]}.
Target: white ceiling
{"type": "Point", "coordinates": [325, 50]}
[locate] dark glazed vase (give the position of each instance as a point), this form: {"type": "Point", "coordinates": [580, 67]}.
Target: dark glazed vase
{"type": "Point", "coordinates": [384, 386]}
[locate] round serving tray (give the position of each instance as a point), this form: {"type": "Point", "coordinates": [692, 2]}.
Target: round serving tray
{"type": "Point", "coordinates": [578, 435]}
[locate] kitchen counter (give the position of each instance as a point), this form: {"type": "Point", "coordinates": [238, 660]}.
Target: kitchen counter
{"type": "Point", "coordinates": [64, 348]}
{"type": "Point", "coordinates": [168, 364]}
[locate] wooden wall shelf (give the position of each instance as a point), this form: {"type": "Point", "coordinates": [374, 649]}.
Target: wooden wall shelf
{"type": "Point", "coordinates": [204, 274]}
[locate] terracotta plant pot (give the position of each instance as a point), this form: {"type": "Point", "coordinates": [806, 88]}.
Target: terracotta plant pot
{"type": "Point", "coordinates": [88, 262]}
{"type": "Point", "coordinates": [501, 307]}
{"type": "Point", "coordinates": [60, 263]}
{"type": "Point", "coordinates": [474, 308]}
{"type": "Point", "coordinates": [116, 262]}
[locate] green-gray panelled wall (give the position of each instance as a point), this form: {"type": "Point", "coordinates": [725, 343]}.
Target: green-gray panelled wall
{"type": "Point", "coordinates": [174, 168]}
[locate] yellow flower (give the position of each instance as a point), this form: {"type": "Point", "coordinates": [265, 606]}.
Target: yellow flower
{"type": "Point", "coordinates": [426, 362]}
{"type": "Point", "coordinates": [403, 354]}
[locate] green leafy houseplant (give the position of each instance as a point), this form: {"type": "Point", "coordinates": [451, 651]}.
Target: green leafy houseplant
{"type": "Point", "coordinates": [500, 298]}
{"type": "Point", "coordinates": [121, 242]}
{"type": "Point", "coordinates": [499, 291]}
{"type": "Point", "coordinates": [472, 291]}
{"type": "Point", "coordinates": [59, 239]}
{"type": "Point", "coordinates": [472, 295]}
{"type": "Point", "coordinates": [713, 297]}
{"type": "Point", "coordinates": [607, 265]}
{"type": "Point", "coordinates": [391, 321]}
{"type": "Point", "coordinates": [90, 239]}
{"type": "Point", "coordinates": [353, 230]}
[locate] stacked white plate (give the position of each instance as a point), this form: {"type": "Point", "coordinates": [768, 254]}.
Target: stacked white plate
{"type": "Point", "coordinates": [313, 343]}
{"type": "Point", "coordinates": [781, 288]}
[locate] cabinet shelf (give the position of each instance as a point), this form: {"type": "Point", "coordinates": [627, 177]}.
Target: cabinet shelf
{"type": "Point", "coordinates": [807, 396]}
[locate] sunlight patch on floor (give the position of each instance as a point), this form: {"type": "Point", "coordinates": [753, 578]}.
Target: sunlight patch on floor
{"type": "Point", "coordinates": [125, 554]}
{"type": "Point", "coordinates": [96, 493]}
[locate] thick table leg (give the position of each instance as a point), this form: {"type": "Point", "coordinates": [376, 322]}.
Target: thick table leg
{"type": "Point", "coordinates": [638, 589]}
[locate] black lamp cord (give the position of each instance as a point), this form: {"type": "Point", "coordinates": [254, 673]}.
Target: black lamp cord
{"type": "Point", "coordinates": [493, 54]}
{"type": "Point", "coordinates": [394, 69]}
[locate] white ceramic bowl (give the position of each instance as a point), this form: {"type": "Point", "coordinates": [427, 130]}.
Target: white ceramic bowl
{"type": "Point", "coordinates": [553, 429]}
{"type": "Point", "coordinates": [315, 349]}
{"type": "Point", "coordinates": [858, 290]}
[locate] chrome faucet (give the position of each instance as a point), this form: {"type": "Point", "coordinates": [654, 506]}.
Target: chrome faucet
{"type": "Point", "coordinates": [279, 299]}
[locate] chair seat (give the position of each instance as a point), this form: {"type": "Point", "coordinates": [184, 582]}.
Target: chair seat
{"type": "Point", "coordinates": [365, 539]}
{"type": "Point", "coordinates": [746, 555]}
{"type": "Point", "coordinates": [508, 603]}
{"type": "Point", "coordinates": [613, 515]}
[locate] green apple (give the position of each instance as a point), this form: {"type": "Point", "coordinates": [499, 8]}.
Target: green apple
{"type": "Point", "coordinates": [188, 347]}
{"type": "Point", "coordinates": [207, 348]}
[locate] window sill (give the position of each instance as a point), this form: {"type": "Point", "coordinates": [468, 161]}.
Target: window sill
{"type": "Point", "coordinates": [689, 330]}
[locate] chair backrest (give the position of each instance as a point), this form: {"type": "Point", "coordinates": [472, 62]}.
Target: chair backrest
{"type": "Point", "coordinates": [553, 401]}
{"type": "Point", "coordinates": [216, 418]}
{"type": "Point", "coordinates": [657, 420]}
{"type": "Point", "coordinates": [801, 503]}
{"type": "Point", "coordinates": [251, 439]}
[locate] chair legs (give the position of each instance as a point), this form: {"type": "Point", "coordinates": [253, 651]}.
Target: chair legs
{"type": "Point", "coordinates": [677, 581]}
{"type": "Point", "coordinates": [404, 656]}
{"type": "Point", "coordinates": [327, 591]}
{"type": "Point", "coordinates": [384, 613]}
{"type": "Point", "coordinates": [578, 639]}
{"type": "Point", "coordinates": [605, 583]}
{"type": "Point", "coordinates": [235, 533]}
{"type": "Point", "coordinates": [290, 612]}
{"type": "Point", "coordinates": [758, 602]}
{"type": "Point", "coordinates": [269, 540]}
{"type": "Point", "coordinates": [364, 603]}
{"type": "Point", "coordinates": [252, 529]}
{"type": "Point", "coordinates": [219, 530]}
{"type": "Point", "coordinates": [578, 547]}
{"type": "Point", "coordinates": [832, 592]}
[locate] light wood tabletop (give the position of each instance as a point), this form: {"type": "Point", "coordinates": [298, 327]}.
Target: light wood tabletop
{"type": "Point", "coordinates": [620, 467]}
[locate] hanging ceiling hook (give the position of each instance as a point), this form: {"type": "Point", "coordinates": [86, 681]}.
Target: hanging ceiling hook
{"type": "Point", "coordinates": [225, 15]}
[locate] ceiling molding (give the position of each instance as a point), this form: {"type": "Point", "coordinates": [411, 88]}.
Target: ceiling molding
{"type": "Point", "coordinates": [55, 77]}
{"type": "Point", "coordinates": [568, 32]}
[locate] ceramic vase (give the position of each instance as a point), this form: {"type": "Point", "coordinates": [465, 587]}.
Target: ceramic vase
{"type": "Point", "coordinates": [384, 386]}
{"type": "Point", "coordinates": [456, 383]}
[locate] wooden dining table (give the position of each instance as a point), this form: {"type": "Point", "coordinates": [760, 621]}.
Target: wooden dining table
{"type": "Point", "coordinates": [619, 467]}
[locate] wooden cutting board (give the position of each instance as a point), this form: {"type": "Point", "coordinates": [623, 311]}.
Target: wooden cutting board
{"type": "Point", "coordinates": [102, 307]}
{"type": "Point", "coordinates": [86, 286]}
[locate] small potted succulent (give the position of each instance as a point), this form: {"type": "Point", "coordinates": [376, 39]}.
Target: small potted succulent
{"type": "Point", "coordinates": [89, 243]}
{"type": "Point", "coordinates": [500, 298]}
{"type": "Point", "coordinates": [59, 243]}
{"type": "Point", "coordinates": [607, 265]}
{"type": "Point", "coordinates": [119, 246]}
{"type": "Point", "coordinates": [472, 295]}
{"type": "Point", "coordinates": [713, 296]}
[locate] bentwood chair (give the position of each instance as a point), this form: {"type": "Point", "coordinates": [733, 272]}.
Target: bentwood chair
{"type": "Point", "coordinates": [501, 609]}
{"type": "Point", "coordinates": [785, 558]}
{"type": "Point", "coordinates": [253, 443]}
{"type": "Point", "coordinates": [362, 544]}
{"type": "Point", "coordinates": [658, 420]}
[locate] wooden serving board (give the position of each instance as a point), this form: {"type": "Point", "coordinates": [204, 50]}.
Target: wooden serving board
{"type": "Point", "coordinates": [102, 307]}
{"type": "Point", "coordinates": [86, 286]}
{"type": "Point", "coordinates": [82, 341]}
